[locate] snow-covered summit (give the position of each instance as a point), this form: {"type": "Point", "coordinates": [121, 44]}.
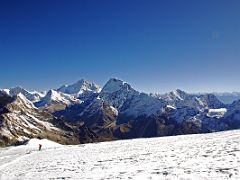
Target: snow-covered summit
{"type": "Point", "coordinates": [177, 95]}
{"type": "Point", "coordinates": [114, 85]}
{"type": "Point", "coordinates": [127, 100]}
{"type": "Point", "coordinates": [55, 97]}
{"type": "Point", "coordinates": [179, 99]}
{"type": "Point", "coordinates": [80, 87]}
{"type": "Point", "coordinates": [32, 96]}
{"type": "Point", "coordinates": [116, 92]}
{"type": "Point", "coordinates": [211, 101]}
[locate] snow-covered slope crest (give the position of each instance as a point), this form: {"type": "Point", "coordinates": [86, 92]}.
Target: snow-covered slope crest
{"type": "Point", "coordinates": [33, 143]}
{"type": "Point", "coordinates": [80, 88]}
{"type": "Point", "coordinates": [203, 156]}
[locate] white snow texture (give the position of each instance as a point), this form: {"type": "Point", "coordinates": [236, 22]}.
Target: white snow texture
{"type": "Point", "coordinates": [203, 156]}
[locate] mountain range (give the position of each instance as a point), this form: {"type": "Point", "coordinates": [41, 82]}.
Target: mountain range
{"type": "Point", "coordinates": [83, 112]}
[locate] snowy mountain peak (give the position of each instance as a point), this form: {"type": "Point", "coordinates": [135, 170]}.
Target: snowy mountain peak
{"type": "Point", "coordinates": [54, 97]}
{"type": "Point", "coordinates": [177, 95]}
{"type": "Point", "coordinates": [114, 85]}
{"type": "Point", "coordinates": [82, 82]}
{"type": "Point", "coordinates": [211, 101]}
{"type": "Point", "coordinates": [16, 90]}
{"type": "Point", "coordinates": [80, 87]}
{"type": "Point", "coordinates": [128, 101]}
{"type": "Point", "coordinates": [181, 95]}
{"type": "Point", "coordinates": [31, 96]}
{"type": "Point", "coordinates": [179, 91]}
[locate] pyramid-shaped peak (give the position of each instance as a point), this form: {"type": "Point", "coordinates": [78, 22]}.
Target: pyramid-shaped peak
{"type": "Point", "coordinates": [114, 85]}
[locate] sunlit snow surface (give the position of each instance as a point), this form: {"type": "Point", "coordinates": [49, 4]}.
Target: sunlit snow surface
{"type": "Point", "coordinates": [207, 156]}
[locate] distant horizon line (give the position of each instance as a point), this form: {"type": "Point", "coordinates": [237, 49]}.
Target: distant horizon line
{"type": "Point", "coordinates": [82, 79]}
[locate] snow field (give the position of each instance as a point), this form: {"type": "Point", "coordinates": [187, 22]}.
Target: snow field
{"type": "Point", "coordinates": [205, 156]}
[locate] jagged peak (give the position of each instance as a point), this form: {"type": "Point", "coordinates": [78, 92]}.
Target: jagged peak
{"type": "Point", "coordinates": [82, 81]}
{"type": "Point", "coordinates": [18, 89]}
{"type": "Point", "coordinates": [52, 91]}
{"type": "Point", "coordinates": [32, 96]}
{"type": "Point", "coordinates": [79, 87]}
{"type": "Point", "coordinates": [210, 96]}
{"type": "Point", "coordinates": [177, 94]}
{"type": "Point", "coordinates": [52, 94]}
{"type": "Point", "coordinates": [180, 91]}
{"type": "Point", "coordinates": [114, 85]}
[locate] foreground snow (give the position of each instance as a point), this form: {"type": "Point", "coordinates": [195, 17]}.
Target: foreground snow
{"type": "Point", "coordinates": [207, 156]}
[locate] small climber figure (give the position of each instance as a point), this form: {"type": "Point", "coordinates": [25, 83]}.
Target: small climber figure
{"type": "Point", "coordinates": [40, 147]}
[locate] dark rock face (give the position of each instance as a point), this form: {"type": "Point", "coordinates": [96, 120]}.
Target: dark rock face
{"type": "Point", "coordinates": [5, 99]}
{"type": "Point", "coordinates": [19, 121]}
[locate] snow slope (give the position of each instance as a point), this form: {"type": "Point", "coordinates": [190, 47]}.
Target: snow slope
{"type": "Point", "coordinates": [203, 156]}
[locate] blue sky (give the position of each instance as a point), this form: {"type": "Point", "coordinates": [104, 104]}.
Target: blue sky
{"type": "Point", "coordinates": [156, 46]}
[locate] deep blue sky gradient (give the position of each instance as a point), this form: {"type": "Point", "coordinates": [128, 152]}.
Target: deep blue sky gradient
{"type": "Point", "coordinates": [155, 45]}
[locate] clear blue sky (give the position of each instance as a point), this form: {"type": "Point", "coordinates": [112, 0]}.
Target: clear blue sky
{"type": "Point", "coordinates": [156, 46]}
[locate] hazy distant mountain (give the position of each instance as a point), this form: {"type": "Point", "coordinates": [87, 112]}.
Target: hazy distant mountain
{"type": "Point", "coordinates": [80, 89]}
{"type": "Point", "coordinates": [228, 98]}
{"type": "Point", "coordinates": [31, 96]}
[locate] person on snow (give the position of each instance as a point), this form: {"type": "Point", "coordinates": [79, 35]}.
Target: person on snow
{"type": "Point", "coordinates": [40, 147]}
